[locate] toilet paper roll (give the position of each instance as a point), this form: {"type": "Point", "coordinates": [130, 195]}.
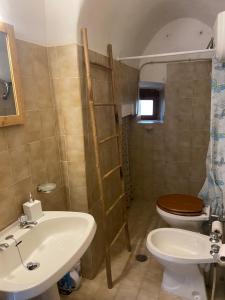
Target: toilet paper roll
{"type": "Point", "coordinates": [221, 255]}
{"type": "Point", "coordinates": [217, 227]}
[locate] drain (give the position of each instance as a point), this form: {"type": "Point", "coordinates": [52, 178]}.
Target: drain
{"type": "Point", "coordinates": [141, 257]}
{"type": "Point", "coordinates": [32, 266]}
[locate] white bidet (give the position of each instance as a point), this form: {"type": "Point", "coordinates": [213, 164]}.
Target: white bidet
{"type": "Point", "coordinates": [181, 252]}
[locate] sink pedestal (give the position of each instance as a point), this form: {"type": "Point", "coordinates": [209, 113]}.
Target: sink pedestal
{"type": "Point", "coordinates": [50, 294]}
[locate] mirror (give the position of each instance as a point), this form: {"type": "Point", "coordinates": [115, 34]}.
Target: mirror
{"type": "Point", "coordinates": [10, 86]}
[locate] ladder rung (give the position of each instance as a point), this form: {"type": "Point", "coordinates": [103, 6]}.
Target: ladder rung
{"type": "Point", "coordinates": [108, 138]}
{"type": "Point", "coordinates": [115, 204]}
{"type": "Point", "coordinates": [104, 104]}
{"type": "Point", "coordinates": [101, 66]}
{"type": "Point", "coordinates": [118, 234]}
{"type": "Point", "coordinates": [111, 171]}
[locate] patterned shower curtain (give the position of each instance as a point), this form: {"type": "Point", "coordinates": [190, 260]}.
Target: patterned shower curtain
{"type": "Point", "coordinates": [213, 190]}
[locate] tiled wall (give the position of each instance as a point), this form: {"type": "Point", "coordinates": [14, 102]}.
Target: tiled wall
{"type": "Point", "coordinates": [77, 156]}
{"type": "Point", "coordinates": [126, 90]}
{"type": "Point", "coordinates": [55, 144]}
{"type": "Point", "coordinates": [66, 78]}
{"type": "Point", "coordinates": [170, 157]}
{"type": "Point", "coordinates": [29, 153]}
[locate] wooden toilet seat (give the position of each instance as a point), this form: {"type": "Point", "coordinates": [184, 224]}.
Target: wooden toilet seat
{"type": "Point", "coordinates": [183, 205]}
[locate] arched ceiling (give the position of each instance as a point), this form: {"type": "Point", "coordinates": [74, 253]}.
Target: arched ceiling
{"type": "Point", "coordinates": [128, 24]}
{"type": "Point", "coordinates": [131, 24]}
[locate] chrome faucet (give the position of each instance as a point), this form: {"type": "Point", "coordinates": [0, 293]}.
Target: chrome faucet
{"type": "Point", "coordinates": [3, 246]}
{"type": "Point", "coordinates": [214, 250]}
{"type": "Point", "coordinates": [24, 223]}
{"type": "Point", "coordinates": [215, 237]}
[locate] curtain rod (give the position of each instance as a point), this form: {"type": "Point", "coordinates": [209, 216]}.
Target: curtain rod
{"type": "Point", "coordinates": [174, 61]}
{"type": "Point", "coordinates": [167, 54]}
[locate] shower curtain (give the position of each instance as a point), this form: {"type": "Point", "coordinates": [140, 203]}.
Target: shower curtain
{"type": "Point", "coordinates": [213, 190]}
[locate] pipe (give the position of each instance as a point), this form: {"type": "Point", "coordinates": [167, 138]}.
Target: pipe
{"type": "Point", "coordinates": [214, 282]}
{"type": "Point", "coordinates": [173, 61]}
{"type": "Point", "coordinates": [167, 54]}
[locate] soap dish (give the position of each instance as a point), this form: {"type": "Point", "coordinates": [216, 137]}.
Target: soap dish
{"type": "Point", "coordinates": [46, 187]}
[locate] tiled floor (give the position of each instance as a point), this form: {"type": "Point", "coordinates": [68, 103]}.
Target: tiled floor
{"type": "Point", "coordinates": [132, 280]}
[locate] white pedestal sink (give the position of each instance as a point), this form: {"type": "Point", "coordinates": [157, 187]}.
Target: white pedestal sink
{"type": "Point", "coordinates": [57, 242]}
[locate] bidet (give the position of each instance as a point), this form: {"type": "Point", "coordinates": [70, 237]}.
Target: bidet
{"type": "Point", "coordinates": [181, 252]}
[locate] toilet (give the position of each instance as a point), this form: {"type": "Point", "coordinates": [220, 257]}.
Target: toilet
{"type": "Point", "coordinates": [183, 211]}
{"type": "Point", "coordinates": [181, 253]}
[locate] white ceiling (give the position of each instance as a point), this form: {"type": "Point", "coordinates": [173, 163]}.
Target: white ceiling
{"type": "Point", "coordinates": [129, 24]}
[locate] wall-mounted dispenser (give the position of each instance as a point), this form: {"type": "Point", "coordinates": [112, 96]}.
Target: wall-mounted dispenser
{"type": "Point", "coordinates": [32, 209]}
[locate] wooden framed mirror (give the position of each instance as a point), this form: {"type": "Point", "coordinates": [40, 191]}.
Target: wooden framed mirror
{"type": "Point", "coordinates": [11, 108]}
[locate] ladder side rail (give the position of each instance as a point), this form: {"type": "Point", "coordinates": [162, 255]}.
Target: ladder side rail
{"type": "Point", "coordinates": [96, 154]}
{"type": "Point", "coordinates": [111, 64]}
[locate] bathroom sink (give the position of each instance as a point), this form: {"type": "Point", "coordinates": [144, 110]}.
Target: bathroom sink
{"type": "Point", "coordinates": [57, 242]}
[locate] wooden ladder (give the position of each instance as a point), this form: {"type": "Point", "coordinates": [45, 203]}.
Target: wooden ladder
{"type": "Point", "coordinates": [102, 177]}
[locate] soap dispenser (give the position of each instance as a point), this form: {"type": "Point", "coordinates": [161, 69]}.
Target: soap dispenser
{"type": "Point", "coordinates": [32, 209]}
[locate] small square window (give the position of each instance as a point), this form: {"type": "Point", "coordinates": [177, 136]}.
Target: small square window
{"type": "Point", "coordinates": [149, 104]}
{"type": "Point", "coordinates": [146, 107]}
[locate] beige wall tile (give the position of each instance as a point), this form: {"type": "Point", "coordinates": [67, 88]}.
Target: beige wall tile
{"type": "Point", "coordinates": [49, 122]}
{"type": "Point", "coordinates": [9, 209]}
{"type": "Point", "coordinates": [71, 114]}
{"type": "Point", "coordinates": [25, 54]}
{"type": "Point", "coordinates": [3, 140]}
{"type": "Point", "coordinates": [198, 154]}
{"type": "Point", "coordinates": [39, 176]}
{"type": "Point", "coordinates": [53, 201]}
{"type": "Point", "coordinates": [62, 147]}
{"type": "Point", "coordinates": [36, 155]}
{"type": "Point", "coordinates": [33, 126]}
{"type": "Point", "coordinates": [67, 61]}
{"type": "Point", "coordinates": [20, 163]}
{"type": "Point", "coordinates": [15, 136]}
{"type": "Point", "coordinates": [65, 172]}
{"type": "Point", "coordinates": [195, 187]}
{"type": "Point", "coordinates": [5, 170]}
{"type": "Point", "coordinates": [67, 92]}
{"type": "Point", "coordinates": [52, 160]}
{"type": "Point", "coordinates": [77, 173]}
{"type": "Point", "coordinates": [61, 123]}
{"type": "Point", "coordinates": [44, 98]}
{"type": "Point", "coordinates": [53, 62]}
{"type": "Point", "coordinates": [78, 198]}
{"type": "Point", "coordinates": [75, 148]}
{"type": "Point", "coordinates": [40, 61]}
{"type": "Point", "coordinates": [21, 190]}
{"type": "Point", "coordinates": [29, 92]}
{"type": "Point", "coordinates": [200, 138]}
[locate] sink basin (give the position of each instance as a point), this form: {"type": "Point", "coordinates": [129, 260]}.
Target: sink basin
{"type": "Point", "coordinates": [57, 242]}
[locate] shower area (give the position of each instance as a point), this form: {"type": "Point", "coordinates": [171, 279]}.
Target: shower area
{"type": "Point", "coordinates": [158, 158]}
{"type": "Point", "coordinates": [168, 157]}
